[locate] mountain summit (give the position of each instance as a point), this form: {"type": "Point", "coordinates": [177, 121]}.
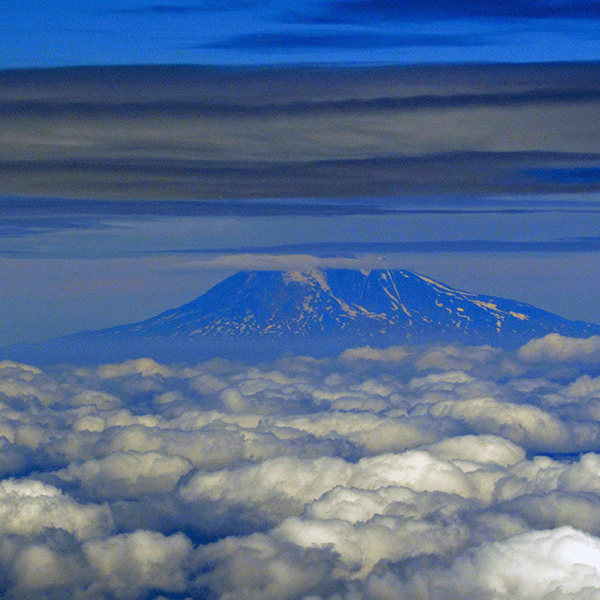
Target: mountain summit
{"type": "Point", "coordinates": [298, 310]}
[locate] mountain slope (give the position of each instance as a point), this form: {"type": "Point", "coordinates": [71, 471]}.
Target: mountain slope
{"type": "Point", "coordinates": [336, 307]}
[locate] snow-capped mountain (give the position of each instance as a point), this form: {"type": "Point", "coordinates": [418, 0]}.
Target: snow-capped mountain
{"type": "Point", "coordinates": [303, 311]}
{"type": "Point", "coordinates": [398, 305]}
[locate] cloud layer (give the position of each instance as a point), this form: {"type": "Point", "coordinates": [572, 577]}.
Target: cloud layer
{"type": "Point", "coordinates": [191, 132]}
{"type": "Point", "coordinates": [400, 473]}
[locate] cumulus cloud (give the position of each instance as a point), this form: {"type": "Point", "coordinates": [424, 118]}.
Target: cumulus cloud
{"type": "Point", "coordinates": [451, 357]}
{"type": "Point", "coordinates": [19, 370]}
{"type": "Point", "coordinates": [140, 366]}
{"type": "Point", "coordinates": [372, 434]}
{"type": "Point", "coordinates": [360, 546]}
{"type": "Point", "coordinates": [392, 354]}
{"type": "Point", "coordinates": [560, 563]}
{"type": "Point", "coordinates": [524, 424]}
{"type": "Point", "coordinates": [39, 568]}
{"type": "Point", "coordinates": [559, 348]}
{"type": "Point", "coordinates": [584, 387]}
{"type": "Point", "coordinates": [382, 473]}
{"type": "Point", "coordinates": [127, 474]}
{"type": "Point", "coordinates": [129, 564]}
{"type": "Point", "coordinates": [28, 507]}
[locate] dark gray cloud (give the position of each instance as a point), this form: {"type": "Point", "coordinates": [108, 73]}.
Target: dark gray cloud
{"type": "Point", "coordinates": [453, 173]}
{"type": "Point", "coordinates": [185, 132]}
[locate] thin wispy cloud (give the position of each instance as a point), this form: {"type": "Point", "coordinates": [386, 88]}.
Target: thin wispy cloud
{"type": "Point", "coordinates": [327, 39]}
{"type": "Point", "coordinates": [283, 262]}
{"type": "Point", "coordinates": [345, 11]}
{"type": "Point", "coordinates": [591, 244]}
{"type": "Point", "coordinates": [189, 8]}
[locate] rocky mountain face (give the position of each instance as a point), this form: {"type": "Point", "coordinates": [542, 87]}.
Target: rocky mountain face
{"type": "Point", "coordinates": [336, 308]}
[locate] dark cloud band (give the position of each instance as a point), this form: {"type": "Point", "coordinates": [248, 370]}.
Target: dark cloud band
{"type": "Point", "coordinates": [340, 40]}
{"type": "Point", "coordinates": [350, 11]}
{"type": "Point", "coordinates": [184, 132]}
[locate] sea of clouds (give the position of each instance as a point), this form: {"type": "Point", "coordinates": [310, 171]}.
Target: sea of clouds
{"type": "Point", "coordinates": [439, 473]}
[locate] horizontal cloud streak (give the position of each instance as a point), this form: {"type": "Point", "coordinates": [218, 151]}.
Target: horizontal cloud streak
{"type": "Point", "coordinates": [327, 39]}
{"type": "Point", "coordinates": [185, 9]}
{"type": "Point", "coordinates": [345, 248]}
{"type": "Point", "coordinates": [297, 132]}
{"type": "Point", "coordinates": [349, 11]}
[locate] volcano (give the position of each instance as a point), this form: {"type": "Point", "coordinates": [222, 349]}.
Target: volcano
{"type": "Point", "coordinates": [315, 312]}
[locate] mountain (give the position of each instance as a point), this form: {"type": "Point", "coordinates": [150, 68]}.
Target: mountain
{"type": "Point", "coordinates": [316, 311]}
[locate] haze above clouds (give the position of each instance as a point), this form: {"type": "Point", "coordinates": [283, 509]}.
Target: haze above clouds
{"type": "Point", "coordinates": [70, 266]}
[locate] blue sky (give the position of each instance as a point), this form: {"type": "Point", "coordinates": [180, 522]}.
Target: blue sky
{"type": "Point", "coordinates": [69, 32]}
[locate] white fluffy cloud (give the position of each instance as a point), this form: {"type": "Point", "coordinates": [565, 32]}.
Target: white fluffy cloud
{"type": "Point", "coordinates": [128, 474]}
{"type": "Point", "coordinates": [141, 366]}
{"type": "Point", "coordinates": [450, 358]}
{"type": "Point", "coordinates": [130, 563]}
{"type": "Point", "coordinates": [401, 473]}
{"type": "Point", "coordinates": [556, 347]}
{"type": "Point", "coordinates": [27, 507]}
{"type": "Point", "coordinates": [360, 546]}
{"type": "Point", "coordinates": [523, 424]}
{"type": "Point", "coordinates": [392, 354]}
{"type": "Point", "coordinates": [372, 433]}
{"type": "Point", "coordinates": [559, 564]}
